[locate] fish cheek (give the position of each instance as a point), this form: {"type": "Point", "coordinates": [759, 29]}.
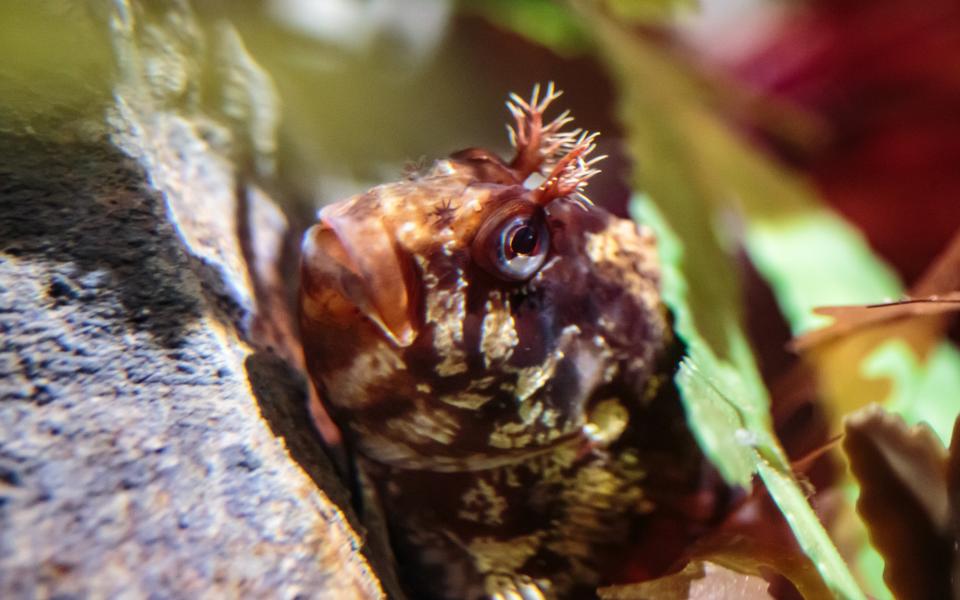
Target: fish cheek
{"type": "Point", "coordinates": [565, 395]}
{"type": "Point", "coordinates": [536, 337]}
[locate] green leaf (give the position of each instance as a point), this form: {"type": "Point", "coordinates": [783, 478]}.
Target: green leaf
{"type": "Point", "coordinates": [736, 434]}
{"type": "Point", "coordinates": [925, 391]}
{"type": "Point", "coordinates": [810, 534]}
{"type": "Point", "coordinates": [706, 379]}
{"type": "Point", "coordinates": [647, 10]}
{"type": "Point", "coordinates": [550, 24]}
{"type": "Point", "coordinates": [544, 22]}
{"type": "Point", "coordinates": [813, 258]}
{"type": "Point", "coordinates": [684, 154]}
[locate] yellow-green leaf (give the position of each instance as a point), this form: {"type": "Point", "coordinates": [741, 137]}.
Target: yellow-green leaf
{"type": "Point", "coordinates": [665, 118]}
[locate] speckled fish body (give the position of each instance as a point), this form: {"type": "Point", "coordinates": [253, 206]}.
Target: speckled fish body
{"type": "Point", "coordinates": [509, 417]}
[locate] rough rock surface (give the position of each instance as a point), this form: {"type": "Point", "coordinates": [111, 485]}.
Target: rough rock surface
{"type": "Point", "coordinates": [150, 443]}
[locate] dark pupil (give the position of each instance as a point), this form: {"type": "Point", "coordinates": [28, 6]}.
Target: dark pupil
{"type": "Point", "coordinates": [524, 240]}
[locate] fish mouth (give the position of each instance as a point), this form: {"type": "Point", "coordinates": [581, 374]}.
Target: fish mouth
{"type": "Point", "coordinates": [356, 260]}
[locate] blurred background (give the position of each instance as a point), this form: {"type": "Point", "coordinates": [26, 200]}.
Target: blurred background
{"type": "Point", "coordinates": [859, 100]}
{"type": "Point", "coordinates": [862, 97]}
{"type": "Point", "coordinates": [739, 117]}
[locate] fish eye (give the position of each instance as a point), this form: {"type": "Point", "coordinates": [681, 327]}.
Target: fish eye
{"type": "Point", "coordinates": [524, 239]}
{"type": "Point", "coordinates": [513, 243]}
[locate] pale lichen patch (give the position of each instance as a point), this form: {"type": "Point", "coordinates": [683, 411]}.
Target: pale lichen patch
{"type": "Point", "coordinates": [628, 256]}
{"type": "Point", "coordinates": [492, 555]}
{"type": "Point", "coordinates": [423, 425]}
{"type": "Point", "coordinates": [607, 422]}
{"type": "Point", "coordinates": [510, 435]}
{"type": "Point", "coordinates": [498, 333]}
{"type": "Point", "coordinates": [482, 504]}
{"type": "Point", "coordinates": [467, 400]}
{"type": "Point", "coordinates": [531, 379]}
{"type": "Point", "coordinates": [376, 364]}
{"type": "Point", "coordinates": [446, 310]}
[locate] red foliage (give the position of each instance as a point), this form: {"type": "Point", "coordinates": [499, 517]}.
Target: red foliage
{"type": "Point", "coordinates": [884, 78]}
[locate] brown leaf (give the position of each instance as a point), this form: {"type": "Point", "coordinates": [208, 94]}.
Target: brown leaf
{"type": "Point", "coordinates": [849, 319]}
{"type": "Point", "coordinates": [755, 538]}
{"type": "Point", "coordinates": [943, 274]}
{"type": "Point", "coordinates": [953, 497]}
{"type": "Point", "coordinates": [936, 292]}
{"type": "Point", "coordinates": [903, 500]}
{"type": "Point", "coordinates": [698, 580]}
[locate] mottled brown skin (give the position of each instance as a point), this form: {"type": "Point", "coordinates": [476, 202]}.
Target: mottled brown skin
{"type": "Point", "coordinates": [518, 431]}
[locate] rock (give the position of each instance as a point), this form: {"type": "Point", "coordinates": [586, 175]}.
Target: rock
{"type": "Point", "coordinates": [154, 432]}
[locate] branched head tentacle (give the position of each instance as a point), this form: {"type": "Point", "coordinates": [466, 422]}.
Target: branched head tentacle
{"type": "Point", "coordinates": [549, 148]}
{"type": "Point", "coordinates": [571, 172]}
{"type": "Point", "coordinates": [538, 145]}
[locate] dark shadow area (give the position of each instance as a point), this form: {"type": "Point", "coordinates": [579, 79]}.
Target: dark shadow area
{"type": "Point", "coordinates": [87, 207]}
{"type": "Point", "coordinates": [281, 393]}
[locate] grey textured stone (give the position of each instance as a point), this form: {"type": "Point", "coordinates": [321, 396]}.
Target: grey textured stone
{"type": "Point", "coordinates": [151, 446]}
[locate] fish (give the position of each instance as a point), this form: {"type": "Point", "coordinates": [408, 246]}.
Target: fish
{"type": "Point", "coordinates": [496, 351]}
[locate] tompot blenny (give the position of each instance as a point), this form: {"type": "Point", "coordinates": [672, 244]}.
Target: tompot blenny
{"type": "Point", "coordinates": [495, 350]}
